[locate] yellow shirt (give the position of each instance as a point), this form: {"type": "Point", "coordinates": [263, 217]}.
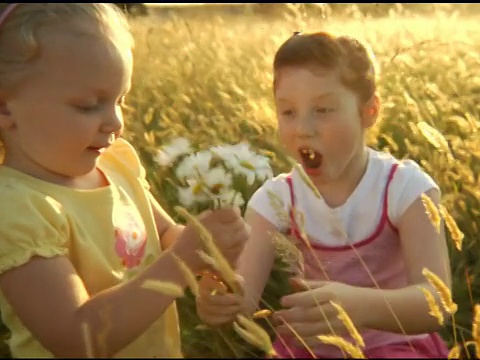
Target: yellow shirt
{"type": "Point", "coordinates": [108, 234]}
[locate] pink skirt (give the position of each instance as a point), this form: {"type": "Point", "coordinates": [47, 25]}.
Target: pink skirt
{"type": "Point", "coordinates": [430, 347]}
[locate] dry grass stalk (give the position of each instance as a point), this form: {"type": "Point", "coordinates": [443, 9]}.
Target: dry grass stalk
{"type": "Point", "coordinates": [457, 235]}
{"type": "Point", "coordinates": [347, 321]}
{"type": "Point", "coordinates": [222, 264]}
{"type": "Point", "coordinates": [300, 225]}
{"type": "Point", "coordinates": [354, 351]}
{"type": "Point", "coordinates": [432, 304]}
{"type": "Point", "coordinates": [262, 314]}
{"type": "Point", "coordinates": [432, 212]}
{"type": "Point", "coordinates": [304, 177]}
{"type": "Point", "coordinates": [189, 276]}
{"type": "Point", "coordinates": [454, 352]}
{"type": "Point", "coordinates": [434, 137]}
{"type": "Point", "coordinates": [277, 205]}
{"type": "Point", "coordinates": [476, 328]}
{"type": "Point", "coordinates": [443, 291]}
{"type": "Point", "coordinates": [163, 287]}
{"type": "Point", "coordinates": [286, 249]}
{"type": "Point", "coordinates": [254, 334]}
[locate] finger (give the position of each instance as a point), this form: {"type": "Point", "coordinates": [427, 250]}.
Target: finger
{"type": "Point", "coordinates": [221, 311]}
{"type": "Point", "coordinates": [337, 329]}
{"type": "Point", "coordinates": [235, 226]}
{"type": "Point", "coordinates": [204, 214]}
{"type": "Point", "coordinates": [215, 320]}
{"type": "Point", "coordinates": [227, 215]}
{"type": "Point", "coordinates": [299, 315]}
{"type": "Point", "coordinates": [234, 250]}
{"type": "Point", "coordinates": [210, 280]}
{"type": "Point", "coordinates": [311, 329]}
{"type": "Point", "coordinates": [308, 298]}
{"type": "Point", "coordinates": [228, 299]}
{"type": "Point", "coordinates": [303, 284]}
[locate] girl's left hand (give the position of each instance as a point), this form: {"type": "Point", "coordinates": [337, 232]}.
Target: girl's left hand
{"type": "Point", "coordinates": [303, 311]}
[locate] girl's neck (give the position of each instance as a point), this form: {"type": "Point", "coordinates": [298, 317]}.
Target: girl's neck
{"type": "Point", "coordinates": [337, 192]}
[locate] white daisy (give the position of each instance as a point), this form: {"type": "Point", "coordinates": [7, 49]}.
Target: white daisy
{"type": "Point", "coordinates": [242, 160]}
{"type": "Point", "coordinates": [230, 198]}
{"type": "Point", "coordinates": [217, 180]}
{"type": "Point", "coordinates": [193, 193]}
{"type": "Point", "coordinates": [167, 154]}
{"type": "Point", "coordinates": [194, 165]}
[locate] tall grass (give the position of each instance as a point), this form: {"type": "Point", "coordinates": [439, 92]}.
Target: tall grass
{"type": "Point", "coordinates": [210, 80]}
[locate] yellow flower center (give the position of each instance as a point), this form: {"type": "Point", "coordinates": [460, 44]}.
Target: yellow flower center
{"type": "Point", "coordinates": [247, 165]}
{"type": "Point", "coordinates": [197, 189]}
{"type": "Point", "coordinates": [216, 188]}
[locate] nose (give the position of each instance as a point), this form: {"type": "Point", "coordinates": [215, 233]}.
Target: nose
{"type": "Point", "coordinates": [306, 125]}
{"type": "Point", "coordinates": [113, 122]}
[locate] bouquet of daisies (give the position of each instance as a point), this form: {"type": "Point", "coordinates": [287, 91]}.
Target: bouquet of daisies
{"type": "Point", "coordinates": [220, 176]}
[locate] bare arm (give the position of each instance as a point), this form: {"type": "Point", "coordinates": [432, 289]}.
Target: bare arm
{"type": "Point", "coordinates": [422, 247]}
{"type": "Point", "coordinates": [129, 309]}
{"type": "Point", "coordinates": [168, 230]}
{"type": "Point", "coordinates": [256, 260]}
{"type": "Point", "coordinates": [63, 304]}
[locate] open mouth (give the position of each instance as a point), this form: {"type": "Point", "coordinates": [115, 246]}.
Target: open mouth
{"type": "Point", "coordinates": [311, 159]}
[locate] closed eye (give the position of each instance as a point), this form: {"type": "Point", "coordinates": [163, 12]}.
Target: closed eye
{"type": "Point", "coordinates": [88, 108]}
{"type": "Point", "coordinates": [324, 110]}
{"type": "Point", "coordinates": [287, 113]}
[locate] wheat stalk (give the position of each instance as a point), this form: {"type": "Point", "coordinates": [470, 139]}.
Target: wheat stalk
{"type": "Point", "coordinates": [304, 177]}
{"type": "Point", "coordinates": [432, 212]}
{"type": "Point", "coordinates": [434, 137]}
{"type": "Point", "coordinates": [476, 328]}
{"type": "Point", "coordinates": [222, 264]}
{"type": "Point", "coordinates": [354, 351]}
{"type": "Point", "coordinates": [262, 314]}
{"type": "Point", "coordinates": [432, 304]}
{"type": "Point", "coordinates": [442, 289]}
{"type": "Point", "coordinates": [457, 235]}
{"type": "Point", "coordinates": [254, 334]}
{"type": "Point", "coordinates": [454, 352]}
{"type": "Point", "coordinates": [277, 205]}
{"type": "Point", "coordinates": [164, 287]}
{"type": "Point", "coordinates": [347, 321]}
{"type": "Point", "coordinates": [189, 276]}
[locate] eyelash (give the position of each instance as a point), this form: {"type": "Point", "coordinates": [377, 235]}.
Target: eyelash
{"type": "Point", "coordinates": [323, 110]}
{"type": "Point", "coordinates": [95, 107]}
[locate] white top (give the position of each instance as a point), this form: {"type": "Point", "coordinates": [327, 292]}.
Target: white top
{"type": "Point", "coordinates": [358, 217]}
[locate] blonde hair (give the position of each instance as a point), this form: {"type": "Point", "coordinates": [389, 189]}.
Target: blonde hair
{"type": "Point", "coordinates": [21, 31]}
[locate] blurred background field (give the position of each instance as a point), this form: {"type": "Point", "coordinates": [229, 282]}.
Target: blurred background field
{"type": "Point", "coordinates": [205, 74]}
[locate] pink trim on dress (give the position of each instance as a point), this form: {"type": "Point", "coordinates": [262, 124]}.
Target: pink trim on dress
{"type": "Point", "coordinates": [383, 219]}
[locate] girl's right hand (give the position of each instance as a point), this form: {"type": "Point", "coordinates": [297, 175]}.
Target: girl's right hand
{"type": "Point", "coordinates": [215, 306]}
{"type": "Point", "coordinates": [228, 229]}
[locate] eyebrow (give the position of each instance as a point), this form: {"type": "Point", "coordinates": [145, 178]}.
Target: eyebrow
{"type": "Point", "coordinates": [319, 97]}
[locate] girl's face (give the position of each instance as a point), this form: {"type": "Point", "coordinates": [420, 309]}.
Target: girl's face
{"type": "Point", "coordinates": [63, 118]}
{"type": "Point", "coordinates": [320, 121]}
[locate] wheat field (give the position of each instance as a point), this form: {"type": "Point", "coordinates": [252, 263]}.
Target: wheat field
{"type": "Point", "coordinates": [209, 79]}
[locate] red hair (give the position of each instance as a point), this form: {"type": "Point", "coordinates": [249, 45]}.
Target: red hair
{"type": "Point", "coordinates": [356, 66]}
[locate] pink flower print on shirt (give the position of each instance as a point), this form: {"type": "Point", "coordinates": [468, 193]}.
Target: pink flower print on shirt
{"type": "Point", "coordinates": [130, 243]}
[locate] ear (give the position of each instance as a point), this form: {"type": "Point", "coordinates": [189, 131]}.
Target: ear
{"type": "Point", "coordinates": [370, 111]}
